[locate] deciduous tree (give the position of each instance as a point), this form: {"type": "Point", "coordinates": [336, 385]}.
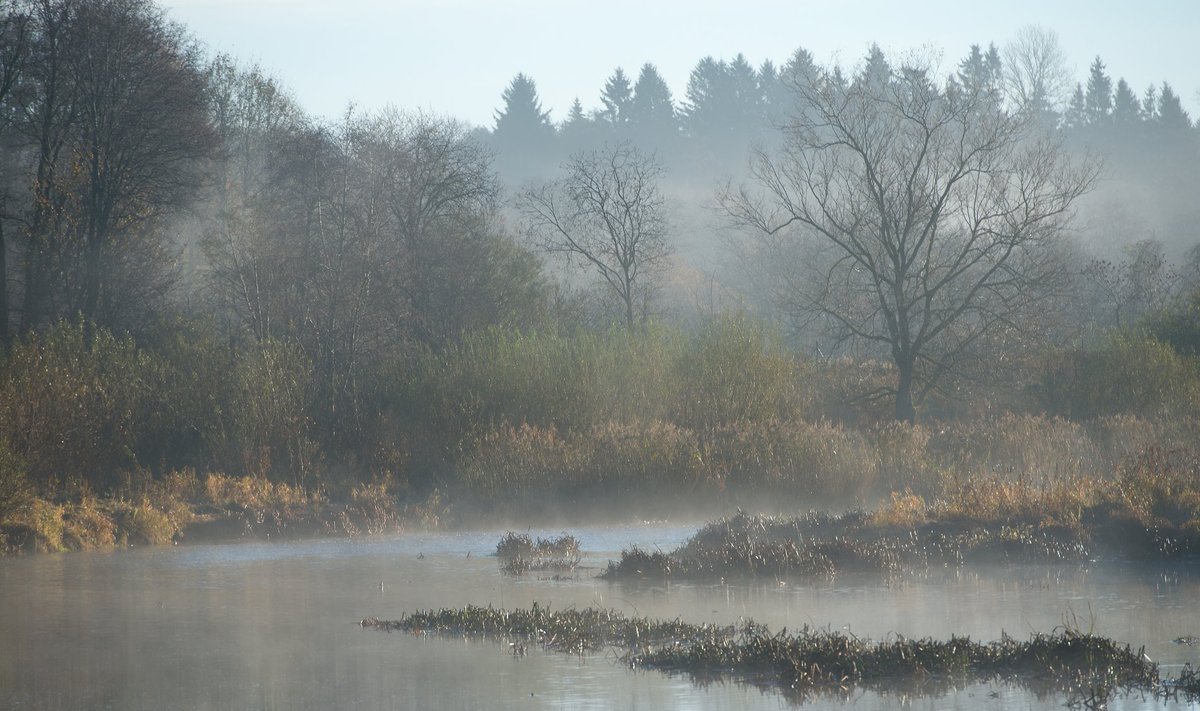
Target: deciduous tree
{"type": "Point", "coordinates": [932, 218]}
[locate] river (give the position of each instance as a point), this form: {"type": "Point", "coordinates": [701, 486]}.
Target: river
{"type": "Point", "coordinates": [275, 625]}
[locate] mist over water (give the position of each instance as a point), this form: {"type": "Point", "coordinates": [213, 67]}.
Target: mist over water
{"type": "Point", "coordinates": [276, 625]}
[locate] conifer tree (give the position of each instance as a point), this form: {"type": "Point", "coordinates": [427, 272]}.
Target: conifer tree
{"type": "Point", "coordinates": [1150, 103]}
{"type": "Point", "coordinates": [708, 90]}
{"type": "Point", "coordinates": [1126, 109]}
{"type": "Point", "coordinates": [1077, 114]}
{"type": "Point", "coordinates": [1171, 115]}
{"type": "Point", "coordinates": [1098, 100]}
{"type": "Point", "coordinates": [522, 118]}
{"type": "Point", "coordinates": [776, 97]}
{"type": "Point", "coordinates": [746, 108]}
{"type": "Point", "coordinates": [652, 107]}
{"type": "Point", "coordinates": [617, 99]}
{"type": "Point", "coordinates": [523, 137]}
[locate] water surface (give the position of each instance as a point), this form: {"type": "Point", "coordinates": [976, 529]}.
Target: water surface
{"type": "Point", "coordinates": [275, 625]}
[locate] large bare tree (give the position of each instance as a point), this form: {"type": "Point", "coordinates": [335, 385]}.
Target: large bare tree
{"type": "Point", "coordinates": [15, 24]}
{"type": "Point", "coordinates": [112, 110]}
{"type": "Point", "coordinates": [1036, 75]}
{"type": "Point", "coordinates": [606, 211]}
{"type": "Point", "coordinates": [931, 218]}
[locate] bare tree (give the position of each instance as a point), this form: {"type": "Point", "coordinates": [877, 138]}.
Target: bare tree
{"type": "Point", "coordinates": [1036, 75]}
{"type": "Point", "coordinates": [931, 218]}
{"type": "Point", "coordinates": [1120, 293]}
{"type": "Point", "coordinates": [113, 106]}
{"type": "Point", "coordinates": [15, 25]}
{"type": "Point", "coordinates": [607, 212]}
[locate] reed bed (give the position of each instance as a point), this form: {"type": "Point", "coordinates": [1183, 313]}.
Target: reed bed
{"type": "Point", "coordinates": [809, 660]}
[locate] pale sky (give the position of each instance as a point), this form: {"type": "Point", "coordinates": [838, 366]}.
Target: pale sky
{"type": "Point", "coordinates": [455, 57]}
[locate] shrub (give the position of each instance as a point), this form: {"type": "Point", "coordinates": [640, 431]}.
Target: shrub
{"type": "Point", "coordinates": [735, 370]}
{"type": "Point", "coordinates": [16, 492]}
{"type": "Point", "coordinates": [1012, 447]}
{"type": "Point", "coordinates": [1134, 374]}
{"type": "Point", "coordinates": [246, 492]}
{"type": "Point", "coordinates": [903, 461]}
{"type": "Point", "coordinates": [270, 420]}
{"type": "Point", "coordinates": [815, 462]}
{"type": "Point", "coordinates": [1162, 486]}
{"type": "Point", "coordinates": [71, 407]}
{"type": "Point", "coordinates": [571, 383]}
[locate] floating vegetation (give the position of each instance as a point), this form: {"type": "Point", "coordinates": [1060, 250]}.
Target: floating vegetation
{"type": "Point", "coordinates": [817, 544]}
{"type": "Point", "coordinates": [519, 553]}
{"type": "Point", "coordinates": [1082, 665]}
{"type": "Point", "coordinates": [1187, 684]}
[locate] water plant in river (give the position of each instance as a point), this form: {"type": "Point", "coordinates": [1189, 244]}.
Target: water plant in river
{"type": "Point", "coordinates": [519, 553]}
{"type": "Point", "coordinates": [1067, 660]}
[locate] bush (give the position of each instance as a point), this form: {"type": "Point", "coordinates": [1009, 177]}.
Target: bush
{"type": "Point", "coordinates": [16, 492]}
{"type": "Point", "coordinates": [813, 462]}
{"type": "Point", "coordinates": [1025, 448]}
{"type": "Point", "coordinates": [72, 408]}
{"type": "Point", "coordinates": [1133, 375]}
{"type": "Point", "coordinates": [735, 370]}
{"type": "Point", "coordinates": [270, 430]}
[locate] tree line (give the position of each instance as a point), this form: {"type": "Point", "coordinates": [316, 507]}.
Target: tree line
{"type": "Point", "coordinates": [292, 287]}
{"type": "Point", "coordinates": [729, 104]}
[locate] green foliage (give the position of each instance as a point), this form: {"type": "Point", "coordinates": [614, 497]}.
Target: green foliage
{"type": "Point", "coordinates": [16, 492]}
{"type": "Point", "coordinates": [1133, 374]}
{"type": "Point", "coordinates": [735, 370]}
{"type": "Point", "coordinates": [569, 382]}
{"type": "Point", "coordinates": [806, 462]}
{"type": "Point", "coordinates": [74, 408]}
{"type": "Point", "coordinates": [1179, 325]}
{"type": "Point", "coordinates": [270, 415]}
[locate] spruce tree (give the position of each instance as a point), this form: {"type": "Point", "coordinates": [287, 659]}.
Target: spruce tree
{"type": "Point", "coordinates": [746, 109]}
{"type": "Point", "coordinates": [800, 70]}
{"type": "Point", "coordinates": [1126, 109]}
{"type": "Point", "coordinates": [1171, 115]}
{"type": "Point", "coordinates": [617, 99]}
{"type": "Point", "coordinates": [776, 96]}
{"type": "Point", "coordinates": [651, 109]}
{"type": "Point", "coordinates": [522, 118]}
{"type": "Point", "coordinates": [979, 73]}
{"type": "Point", "coordinates": [1150, 103]}
{"type": "Point", "coordinates": [708, 90]}
{"type": "Point", "coordinates": [523, 137]}
{"type": "Point", "coordinates": [1077, 114]}
{"type": "Point", "coordinates": [1098, 101]}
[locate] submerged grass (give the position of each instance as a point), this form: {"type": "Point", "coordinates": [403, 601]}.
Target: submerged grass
{"type": "Point", "coordinates": [809, 660]}
{"type": "Point", "coordinates": [519, 553]}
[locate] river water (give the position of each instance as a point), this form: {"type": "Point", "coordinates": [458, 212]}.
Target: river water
{"type": "Point", "coordinates": [275, 625]}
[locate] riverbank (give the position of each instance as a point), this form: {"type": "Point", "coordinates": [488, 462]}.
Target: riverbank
{"type": "Point", "coordinates": [1148, 509]}
{"type": "Point", "coordinates": [186, 508]}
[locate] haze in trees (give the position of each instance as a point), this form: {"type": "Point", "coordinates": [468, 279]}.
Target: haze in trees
{"type": "Point", "coordinates": [607, 213]}
{"type": "Point", "coordinates": [932, 217]}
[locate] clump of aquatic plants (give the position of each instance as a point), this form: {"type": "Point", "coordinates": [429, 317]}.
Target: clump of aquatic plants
{"type": "Point", "coordinates": [1066, 660]}
{"type": "Point", "coordinates": [519, 553]}
{"type": "Point", "coordinates": [822, 544]}
{"type": "Point", "coordinates": [572, 630]}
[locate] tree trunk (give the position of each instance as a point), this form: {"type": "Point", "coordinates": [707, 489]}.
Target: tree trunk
{"type": "Point", "coordinates": [5, 335]}
{"type": "Point", "coordinates": [905, 412]}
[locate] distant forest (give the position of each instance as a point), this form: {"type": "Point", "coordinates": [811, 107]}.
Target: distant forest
{"type": "Point", "coordinates": [195, 274]}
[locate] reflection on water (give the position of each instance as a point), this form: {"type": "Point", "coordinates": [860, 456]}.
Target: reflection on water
{"type": "Point", "coordinates": [275, 625]}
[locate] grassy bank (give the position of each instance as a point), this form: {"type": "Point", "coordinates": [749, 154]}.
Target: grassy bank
{"type": "Point", "coordinates": [811, 661]}
{"type": "Point", "coordinates": [1149, 510]}
{"type": "Point", "coordinates": [187, 508]}
{"type": "Point", "coordinates": [104, 441]}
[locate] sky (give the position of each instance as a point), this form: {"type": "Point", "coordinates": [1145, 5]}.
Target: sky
{"type": "Point", "coordinates": [455, 57]}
